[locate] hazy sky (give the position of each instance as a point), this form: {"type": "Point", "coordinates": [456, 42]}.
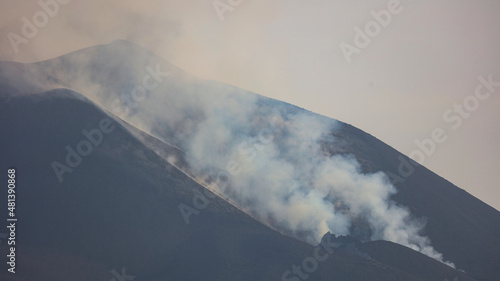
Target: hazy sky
{"type": "Point", "coordinates": [426, 59]}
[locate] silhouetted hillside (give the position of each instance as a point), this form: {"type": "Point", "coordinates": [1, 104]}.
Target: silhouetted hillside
{"type": "Point", "coordinates": [118, 206]}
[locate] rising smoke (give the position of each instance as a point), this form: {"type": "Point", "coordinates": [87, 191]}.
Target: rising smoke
{"type": "Point", "coordinates": [280, 171]}
{"type": "Point", "coordinates": [281, 175]}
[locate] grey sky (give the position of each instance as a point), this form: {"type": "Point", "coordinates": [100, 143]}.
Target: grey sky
{"type": "Point", "coordinates": [397, 88]}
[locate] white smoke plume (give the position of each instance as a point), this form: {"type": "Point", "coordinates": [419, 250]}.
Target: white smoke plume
{"type": "Point", "coordinates": [280, 174]}
{"type": "Point", "coordinates": [279, 170]}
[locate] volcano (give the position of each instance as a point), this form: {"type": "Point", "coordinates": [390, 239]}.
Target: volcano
{"type": "Point", "coordinates": [129, 168]}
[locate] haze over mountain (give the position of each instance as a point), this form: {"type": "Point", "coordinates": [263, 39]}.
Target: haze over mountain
{"type": "Point", "coordinates": [300, 175]}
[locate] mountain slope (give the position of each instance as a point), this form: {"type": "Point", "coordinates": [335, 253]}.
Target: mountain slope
{"type": "Point", "coordinates": [119, 209]}
{"type": "Point", "coordinates": [460, 225]}
{"type": "Point", "coordinates": [464, 229]}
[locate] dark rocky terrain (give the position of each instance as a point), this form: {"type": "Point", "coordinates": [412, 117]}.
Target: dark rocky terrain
{"type": "Point", "coordinates": [119, 208]}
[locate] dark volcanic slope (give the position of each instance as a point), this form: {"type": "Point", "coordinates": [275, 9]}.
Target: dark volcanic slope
{"type": "Point", "coordinates": [120, 206]}
{"type": "Point", "coordinates": [119, 209]}
{"type": "Point", "coordinates": [462, 227]}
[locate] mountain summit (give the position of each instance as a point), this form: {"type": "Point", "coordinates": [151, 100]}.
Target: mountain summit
{"type": "Point", "coordinates": [126, 161]}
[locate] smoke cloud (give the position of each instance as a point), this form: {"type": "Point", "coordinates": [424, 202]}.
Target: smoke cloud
{"type": "Point", "coordinates": [280, 170]}
{"type": "Point", "coordinates": [281, 174]}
